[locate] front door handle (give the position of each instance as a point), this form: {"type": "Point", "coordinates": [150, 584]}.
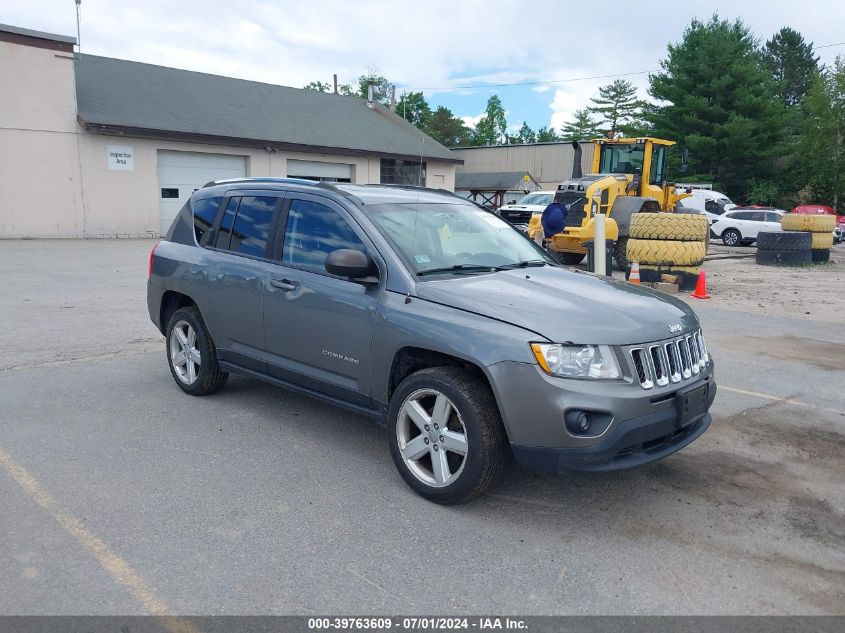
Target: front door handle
{"type": "Point", "coordinates": [283, 284]}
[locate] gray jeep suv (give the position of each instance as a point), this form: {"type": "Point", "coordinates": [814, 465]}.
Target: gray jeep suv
{"type": "Point", "coordinates": [434, 317]}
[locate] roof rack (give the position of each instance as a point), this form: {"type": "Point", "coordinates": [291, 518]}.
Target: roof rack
{"type": "Point", "coordinates": [288, 181]}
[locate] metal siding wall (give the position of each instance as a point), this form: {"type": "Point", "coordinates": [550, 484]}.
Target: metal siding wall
{"type": "Point", "coordinates": [550, 164]}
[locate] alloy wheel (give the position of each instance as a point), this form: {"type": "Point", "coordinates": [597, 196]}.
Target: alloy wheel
{"type": "Point", "coordinates": [432, 438]}
{"type": "Point", "coordinates": [184, 355]}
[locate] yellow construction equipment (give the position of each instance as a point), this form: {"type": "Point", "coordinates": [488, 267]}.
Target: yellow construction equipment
{"type": "Point", "coordinates": [628, 176]}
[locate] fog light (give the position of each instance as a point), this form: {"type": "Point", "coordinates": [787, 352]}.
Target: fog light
{"type": "Point", "coordinates": [577, 422]}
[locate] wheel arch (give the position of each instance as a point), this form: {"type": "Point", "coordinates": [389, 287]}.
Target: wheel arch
{"type": "Point", "coordinates": [171, 301]}
{"type": "Point", "coordinates": [625, 206]}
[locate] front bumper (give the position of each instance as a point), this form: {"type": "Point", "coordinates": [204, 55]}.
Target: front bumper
{"type": "Point", "coordinates": [643, 424]}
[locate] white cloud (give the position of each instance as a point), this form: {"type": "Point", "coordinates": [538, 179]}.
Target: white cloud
{"type": "Point", "coordinates": [563, 107]}
{"type": "Point", "coordinates": [470, 120]}
{"type": "Point", "coordinates": [541, 88]}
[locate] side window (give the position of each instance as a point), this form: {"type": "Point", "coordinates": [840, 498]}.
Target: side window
{"type": "Point", "coordinates": [252, 225]}
{"type": "Point", "coordinates": [773, 217]}
{"type": "Point", "coordinates": [225, 231]}
{"type": "Point", "coordinates": [313, 231]}
{"type": "Point", "coordinates": [205, 212]}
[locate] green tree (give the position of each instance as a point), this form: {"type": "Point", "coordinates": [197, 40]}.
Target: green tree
{"type": "Point", "coordinates": [792, 65]}
{"type": "Point", "coordinates": [764, 192]}
{"type": "Point", "coordinates": [719, 104]}
{"type": "Point", "coordinates": [320, 86]}
{"type": "Point", "coordinates": [491, 129]}
{"type": "Point", "coordinates": [822, 145]}
{"type": "Point", "coordinates": [413, 107]}
{"type": "Point", "coordinates": [381, 87]}
{"type": "Point", "coordinates": [583, 127]}
{"type": "Point", "coordinates": [447, 129]}
{"type": "Point", "coordinates": [547, 135]}
{"type": "Point", "coordinates": [524, 135]}
{"type": "Point", "coordinates": [617, 104]}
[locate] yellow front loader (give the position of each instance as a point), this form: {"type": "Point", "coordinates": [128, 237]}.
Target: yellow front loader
{"type": "Point", "coordinates": [628, 176]}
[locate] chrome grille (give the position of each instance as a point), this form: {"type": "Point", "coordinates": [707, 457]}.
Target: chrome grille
{"type": "Point", "coordinates": [674, 360]}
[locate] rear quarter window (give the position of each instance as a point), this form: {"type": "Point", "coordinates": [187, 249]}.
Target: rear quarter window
{"type": "Point", "coordinates": [205, 212]}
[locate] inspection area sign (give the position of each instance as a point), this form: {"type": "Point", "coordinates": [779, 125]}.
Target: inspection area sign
{"type": "Point", "coordinates": [121, 157]}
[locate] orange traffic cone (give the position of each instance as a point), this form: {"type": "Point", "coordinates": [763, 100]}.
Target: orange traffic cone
{"type": "Point", "coordinates": [634, 275]}
{"type": "Point", "coordinates": [701, 287]}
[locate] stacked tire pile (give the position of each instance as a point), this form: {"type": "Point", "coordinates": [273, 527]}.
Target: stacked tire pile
{"type": "Point", "coordinates": [668, 244]}
{"type": "Point", "coordinates": [790, 248]}
{"type": "Point", "coordinates": [821, 229]}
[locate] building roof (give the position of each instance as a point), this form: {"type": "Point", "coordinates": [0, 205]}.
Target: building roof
{"type": "Point", "coordinates": [493, 181]}
{"type": "Point", "coordinates": [39, 39]}
{"type": "Point", "coordinates": [127, 97]}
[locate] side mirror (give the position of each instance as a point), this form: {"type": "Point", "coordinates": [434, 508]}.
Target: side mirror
{"type": "Point", "coordinates": [347, 262]}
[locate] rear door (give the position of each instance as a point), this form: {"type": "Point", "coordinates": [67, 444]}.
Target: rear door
{"type": "Point", "coordinates": [318, 327]}
{"type": "Point", "coordinates": [230, 276]}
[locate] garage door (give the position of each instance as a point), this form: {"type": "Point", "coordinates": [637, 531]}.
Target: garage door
{"type": "Point", "coordinates": [182, 173]}
{"type": "Point", "coordinates": [319, 170]}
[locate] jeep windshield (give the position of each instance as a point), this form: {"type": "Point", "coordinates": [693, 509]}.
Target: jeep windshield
{"type": "Point", "coordinates": [455, 239]}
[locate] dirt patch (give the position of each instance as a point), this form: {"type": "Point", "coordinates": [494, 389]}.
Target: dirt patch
{"type": "Point", "coordinates": [814, 293]}
{"type": "Point", "coordinates": [823, 354]}
{"type": "Point", "coordinates": [816, 519]}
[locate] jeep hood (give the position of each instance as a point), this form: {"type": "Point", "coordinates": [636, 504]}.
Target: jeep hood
{"type": "Point", "coordinates": [564, 305]}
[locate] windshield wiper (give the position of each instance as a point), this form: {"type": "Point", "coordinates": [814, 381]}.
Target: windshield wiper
{"type": "Point", "coordinates": [528, 263]}
{"type": "Point", "coordinates": [458, 268]}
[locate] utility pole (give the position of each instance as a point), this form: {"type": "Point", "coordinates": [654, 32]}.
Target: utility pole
{"type": "Point", "coordinates": [335, 83]}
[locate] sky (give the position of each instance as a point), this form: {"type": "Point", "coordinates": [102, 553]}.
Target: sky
{"type": "Point", "coordinates": [456, 52]}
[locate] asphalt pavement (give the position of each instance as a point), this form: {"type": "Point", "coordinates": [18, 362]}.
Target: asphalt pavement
{"type": "Point", "coordinates": [122, 495]}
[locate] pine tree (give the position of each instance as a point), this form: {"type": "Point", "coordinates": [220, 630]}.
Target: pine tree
{"type": "Point", "coordinates": [446, 128]}
{"type": "Point", "coordinates": [547, 135]}
{"type": "Point", "coordinates": [720, 105]}
{"type": "Point", "coordinates": [617, 104]}
{"type": "Point", "coordinates": [492, 128]}
{"type": "Point", "coordinates": [792, 65]}
{"type": "Point", "coordinates": [582, 128]}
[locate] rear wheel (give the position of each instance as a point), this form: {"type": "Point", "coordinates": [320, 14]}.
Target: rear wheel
{"type": "Point", "coordinates": [731, 237]}
{"type": "Point", "coordinates": [620, 253]}
{"type": "Point", "coordinates": [445, 434]}
{"type": "Point", "coordinates": [191, 354]}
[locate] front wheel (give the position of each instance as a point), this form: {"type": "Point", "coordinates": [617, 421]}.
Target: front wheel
{"type": "Point", "coordinates": [731, 237]}
{"type": "Point", "coordinates": [445, 434]}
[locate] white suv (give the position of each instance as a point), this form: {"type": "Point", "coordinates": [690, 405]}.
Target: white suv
{"type": "Point", "coordinates": [742, 226]}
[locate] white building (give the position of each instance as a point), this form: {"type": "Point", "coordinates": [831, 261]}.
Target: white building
{"type": "Point", "coordinates": [98, 147]}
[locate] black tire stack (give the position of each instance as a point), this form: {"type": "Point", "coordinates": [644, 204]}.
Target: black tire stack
{"type": "Point", "coordinates": [818, 227]}
{"type": "Point", "coordinates": [790, 248]}
{"type": "Point", "coordinates": [673, 244]}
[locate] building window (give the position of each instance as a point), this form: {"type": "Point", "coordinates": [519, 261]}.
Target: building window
{"type": "Point", "coordinates": [402, 172]}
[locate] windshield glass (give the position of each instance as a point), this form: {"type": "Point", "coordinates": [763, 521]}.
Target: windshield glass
{"type": "Point", "coordinates": [544, 199]}
{"type": "Point", "coordinates": [433, 236]}
{"type": "Point", "coordinates": [621, 159]}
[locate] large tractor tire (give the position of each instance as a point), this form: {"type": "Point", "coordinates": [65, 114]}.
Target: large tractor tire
{"type": "Point", "coordinates": [686, 227]}
{"type": "Point", "coordinates": [784, 258]}
{"type": "Point", "coordinates": [620, 253]}
{"type": "Point", "coordinates": [667, 252]}
{"type": "Point", "coordinates": [785, 241]}
{"type": "Point", "coordinates": [812, 223]}
{"type": "Point", "coordinates": [820, 256]}
{"type": "Point", "coordinates": [822, 241]}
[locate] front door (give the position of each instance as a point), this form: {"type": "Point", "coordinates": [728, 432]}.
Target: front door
{"type": "Point", "coordinates": [318, 327]}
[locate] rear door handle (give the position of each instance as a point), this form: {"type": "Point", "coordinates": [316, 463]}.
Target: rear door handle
{"type": "Point", "coordinates": [283, 284]}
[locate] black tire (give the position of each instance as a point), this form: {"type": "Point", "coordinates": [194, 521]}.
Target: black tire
{"type": "Point", "coordinates": [784, 258]}
{"type": "Point", "coordinates": [620, 253]}
{"type": "Point", "coordinates": [570, 259]}
{"type": "Point", "coordinates": [209, 377]}
{"type": "Point", "coordinates": [820, 255]}
{"type": "Point", "coordinates": [731, 237]}
{"type": "Point", "coordinates": [784, 241]}
{"type": "Point", "coordinates": [473, 401]}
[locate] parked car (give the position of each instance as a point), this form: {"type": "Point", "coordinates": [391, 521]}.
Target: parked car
{"type": "Point", "coordinates": [433, 317]}
{"type": "Point", "coordinates": [519, 213]}
{"type": "Point", "coordinates": [741, 226]}
{"type": "Point", "coordinates": [711, 203]}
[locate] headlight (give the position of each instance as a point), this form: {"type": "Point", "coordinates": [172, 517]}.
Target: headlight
{"type": "Point", "coordinates": [576, 361]}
